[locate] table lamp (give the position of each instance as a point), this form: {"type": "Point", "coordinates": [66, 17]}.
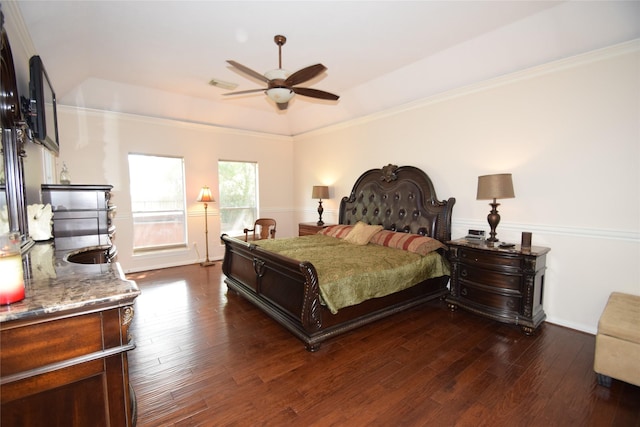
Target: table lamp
{"type": "Point", "coordinates": [320, 192]}
{"type": "Point", "coordinates": [492, 187]}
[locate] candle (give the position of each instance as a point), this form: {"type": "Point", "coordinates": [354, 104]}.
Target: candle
{"type": "Point", "coordinates": [11, 277]}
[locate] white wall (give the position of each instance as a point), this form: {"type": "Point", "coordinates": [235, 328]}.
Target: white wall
{"type": "Point", "coordinates": [95, 145]}
{"type": "Point", "coordinates": [570, 134]}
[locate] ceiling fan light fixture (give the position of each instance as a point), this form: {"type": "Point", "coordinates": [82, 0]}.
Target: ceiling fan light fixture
{"type": "Point", "coordinates": [282, 86]}
{"type": "Point", "coordinates": [280, 95]}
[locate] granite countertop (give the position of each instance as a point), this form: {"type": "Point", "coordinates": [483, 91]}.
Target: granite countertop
{"type": "Point", "coordinates": [54, 285]}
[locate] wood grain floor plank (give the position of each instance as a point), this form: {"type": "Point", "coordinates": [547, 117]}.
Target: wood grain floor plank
{"type": "Point", "coordinates": [206, 357]}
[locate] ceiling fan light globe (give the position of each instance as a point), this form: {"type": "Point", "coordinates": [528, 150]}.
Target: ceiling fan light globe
{"type": "Point", "coordinates": [280, 95]}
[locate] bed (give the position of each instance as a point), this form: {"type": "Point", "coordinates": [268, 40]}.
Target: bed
{"type": "Point", "coordinates": [400, 200]}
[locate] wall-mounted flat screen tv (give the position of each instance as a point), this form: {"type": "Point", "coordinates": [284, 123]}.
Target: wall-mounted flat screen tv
{"type": "Point", "coordinates": [43, 111]}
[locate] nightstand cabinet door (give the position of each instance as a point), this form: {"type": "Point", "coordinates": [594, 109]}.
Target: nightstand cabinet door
{"type": "Point", "coordinates": [502, 284]}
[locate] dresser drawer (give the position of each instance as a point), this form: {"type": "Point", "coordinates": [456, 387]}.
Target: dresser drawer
{"type": "Point", "coordinates": [28, 348]}
{"type": "Point", "coordinates": [77, 242]}
{"type": "Point", "coordinates": [504, 303]}
{"type": "Point", "coordinates": [80, 226]}
{"type": "Point", "coordinates": [492, 278]}
{"type": "Point", "coordinates": [491, 259]}
{"type": "Point", "coordinates": [73, 200]}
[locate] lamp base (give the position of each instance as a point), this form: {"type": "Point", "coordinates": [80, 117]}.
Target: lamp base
{"type": "Point", "coordinates": [207, 263]}
{"type": "Point", "coordinates": [320, 210]}
{"type": "Point", "coordinates": [493, 219]}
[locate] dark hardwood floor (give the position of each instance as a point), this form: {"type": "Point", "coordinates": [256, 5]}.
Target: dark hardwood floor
{"type": "Point", "coordinates": [208, 357]}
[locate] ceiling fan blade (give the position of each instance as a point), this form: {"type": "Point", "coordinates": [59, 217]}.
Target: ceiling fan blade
{"type": "Point", "coordinates": [249, 71]}
{"type": "Point", "coordinates": [282, 105]}
{"type": "Point", "coordinates": [244, 91]}
{"type": "Point", "coordinates": [315, 93]}
{"type": "Point", "coordinates": [304, 74]}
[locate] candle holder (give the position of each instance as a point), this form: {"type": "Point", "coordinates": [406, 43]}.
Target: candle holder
{"type": "Point", "coordinates": [12, 283]}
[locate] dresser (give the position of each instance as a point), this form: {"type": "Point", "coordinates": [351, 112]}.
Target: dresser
{"type": "Point", "coordinates": [503, 284]}
{"type": "Point", "coordinates": [307, 228]}
{"type": "Point", "coordinates": [82, 216]}
{"type": "Point", "coordinates": [64, 347]}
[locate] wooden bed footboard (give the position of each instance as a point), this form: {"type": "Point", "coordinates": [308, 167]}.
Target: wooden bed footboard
{"type": "Point", "coordinates": [280, 285]}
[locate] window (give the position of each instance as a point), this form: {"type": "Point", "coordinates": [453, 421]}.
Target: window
{"type": "Point", "coordinates": [157, 201]}
{"type": "Point", "coordinates": [238, 196]}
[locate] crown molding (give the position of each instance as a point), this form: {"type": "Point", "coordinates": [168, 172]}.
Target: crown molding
{"type": "Point", "coordinates": [92, 112]}
{"type": "Point", "coordinates": [17, 28]}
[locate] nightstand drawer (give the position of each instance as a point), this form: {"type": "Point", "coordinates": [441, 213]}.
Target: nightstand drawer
{"type": "Point", "coordinates": [473, 295]}
{"type": "Point", "coordinates": [496, 279]}
{"type": "Point", "coordinates": [490, 259]}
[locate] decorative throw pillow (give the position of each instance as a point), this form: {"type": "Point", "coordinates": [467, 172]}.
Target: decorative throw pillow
{"type": "Point", "coordinates": [362, 233]}
{"type": "Point", "coordinates": [340, 230]}
{"type": "Point", "coordinates": [409, 242]}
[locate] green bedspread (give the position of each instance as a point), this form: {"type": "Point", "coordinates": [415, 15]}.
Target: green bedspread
{"type": "Point", "coordinates": [349, 274]}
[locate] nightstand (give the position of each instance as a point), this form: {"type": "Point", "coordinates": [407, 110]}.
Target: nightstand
{"type": "Point", "coordinates": [307, 228]}
{"type": "Point", "coordinates": [504, 284]}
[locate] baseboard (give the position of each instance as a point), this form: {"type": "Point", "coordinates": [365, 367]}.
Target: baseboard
{"type": "Point", "coordinates": [571, 325]}
{"type": "Point", "coordinates": [167, 265]}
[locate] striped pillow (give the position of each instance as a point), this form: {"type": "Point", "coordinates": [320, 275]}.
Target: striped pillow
{"type": "Point", "coordinates": [409, 242]}
{"type": "Point", "coordinates": [340, 230]}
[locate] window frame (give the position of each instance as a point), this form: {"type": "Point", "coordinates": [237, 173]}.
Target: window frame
{"type": "Point", "coordinates": [256, 208]}
{"type": "Point", "coordinates": [182, 212]}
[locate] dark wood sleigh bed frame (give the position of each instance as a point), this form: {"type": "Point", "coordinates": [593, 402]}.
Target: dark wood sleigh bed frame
{"type": "Point", "coordinates": [400, 199]}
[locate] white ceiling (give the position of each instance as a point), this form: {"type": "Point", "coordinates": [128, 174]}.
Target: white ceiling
{"type": "Point", "coordinates": [155, 58]}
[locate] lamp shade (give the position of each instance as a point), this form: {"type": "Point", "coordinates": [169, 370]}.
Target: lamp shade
{"type": "Point", "coordinates": [205, 195]}
{"type": "Point", "coordinates": [320, 192]}
{"type": "Point", "coordinates": [498, 186]}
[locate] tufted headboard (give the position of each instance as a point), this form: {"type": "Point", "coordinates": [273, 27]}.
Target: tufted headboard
{"type": "Point", "coordinates": [400, 199]}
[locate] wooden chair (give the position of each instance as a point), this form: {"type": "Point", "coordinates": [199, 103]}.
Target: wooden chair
{"type": "Point", "coordinates": [263, 228]}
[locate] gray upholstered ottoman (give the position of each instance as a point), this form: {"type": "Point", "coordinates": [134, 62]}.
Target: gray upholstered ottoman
{"type": "Point", "coordinates": [618, 340]}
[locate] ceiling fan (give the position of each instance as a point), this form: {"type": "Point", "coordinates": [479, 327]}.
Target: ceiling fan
{"type": "Point", "coordinates": [281, 86]}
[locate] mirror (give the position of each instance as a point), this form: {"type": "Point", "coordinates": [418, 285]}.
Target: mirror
{"type": "Point", "coordinates": [13, 212]}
